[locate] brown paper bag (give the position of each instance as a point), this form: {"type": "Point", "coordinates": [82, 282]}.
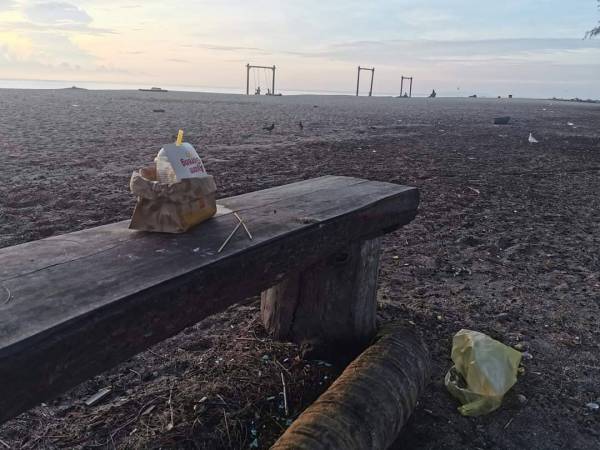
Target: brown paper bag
{"type": "Point", "coordinates": [171, 208]}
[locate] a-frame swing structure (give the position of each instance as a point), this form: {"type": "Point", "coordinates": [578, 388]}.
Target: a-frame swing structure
{"type": "Point", "coordinates": [257, 82]}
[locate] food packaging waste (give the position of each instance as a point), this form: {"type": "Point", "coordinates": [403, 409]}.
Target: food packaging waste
{"type": "Point", "coordinates": [484, 370]}
{"type": "Point", "coordinates": [175, 193]}
{"type": "Point", "coordinates": [178, 161]}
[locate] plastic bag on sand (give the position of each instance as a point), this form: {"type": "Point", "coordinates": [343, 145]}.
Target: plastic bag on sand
{"type": "Point", "coordinates": [484, 370]}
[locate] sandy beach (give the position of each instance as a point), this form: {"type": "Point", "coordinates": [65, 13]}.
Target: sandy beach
{"type": "Point", "coordinates": [506, 242]}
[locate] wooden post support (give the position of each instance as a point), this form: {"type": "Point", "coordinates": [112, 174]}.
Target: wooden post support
{"type": "Point", "coordinates": [330, 304]}
{"type": "Point", "coordinates": [357, 81]}
{"type": "Point", "coordinates": [273, 81]}
{"type": "Point", "coordinates": [372, 75]}
{"type": "Point", "coordinates": [248, 79]}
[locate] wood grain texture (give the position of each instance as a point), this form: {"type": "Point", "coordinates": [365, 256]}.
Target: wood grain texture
{"type": "Point", "coordinates": [367, 406]}
{"type": "Point", "coordinates": [83, 302]}
{"type": "Point", "coordinates": [329, 306]}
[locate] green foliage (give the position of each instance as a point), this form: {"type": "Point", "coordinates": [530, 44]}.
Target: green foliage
{"type": "Point", "coordinates": [595, 31]}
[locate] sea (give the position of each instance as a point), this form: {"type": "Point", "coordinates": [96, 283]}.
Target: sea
{"type": "Point", "coordinates": [96, 85]}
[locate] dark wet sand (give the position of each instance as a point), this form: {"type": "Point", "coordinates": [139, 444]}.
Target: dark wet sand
{"type": "Point", "coordinates": [506, 242]}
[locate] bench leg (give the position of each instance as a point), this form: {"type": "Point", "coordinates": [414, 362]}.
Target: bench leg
{"type": "Point", "coordinates": [329, 304]}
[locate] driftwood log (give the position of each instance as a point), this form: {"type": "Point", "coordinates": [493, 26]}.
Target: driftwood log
{"type": "Point", "coordinates": [367, 406]}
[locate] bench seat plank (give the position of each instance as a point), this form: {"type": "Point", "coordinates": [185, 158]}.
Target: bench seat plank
{"type": "Point", "coordinates": [78, 304]}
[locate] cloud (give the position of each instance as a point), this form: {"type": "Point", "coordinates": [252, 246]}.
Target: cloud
{"type": "Point", "coordinates": [177, 60]}
{"type": "Point", "coordinates": [67, 27]}
{"type": "Point", "coordinates": [5, 5]}
{"type": "Point", "coordinates": [57, 13]}
{"type": "Point", "coordinates": [14, 67]}
{"type": "Point", "coordinates": [230, 48]}
{"type": "Point", "coordinates": [406, 51]}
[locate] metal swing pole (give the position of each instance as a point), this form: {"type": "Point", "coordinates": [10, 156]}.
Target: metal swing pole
{"type": "Point", "coordinates": [372, 75]}
{"type": "Point", "coordinates": [358, 81]}
{"type": "Point", "coordinates": [410, 88]}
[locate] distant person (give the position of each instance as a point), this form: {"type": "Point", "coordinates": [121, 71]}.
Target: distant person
{"type": "Point", "coordinates": [268, 91]}
{"type": "Point", "coordinates": [433, 94]}
{"type": "Point", "coordinates": [257, 92]}
{"type": "Point", "coordinates": [405, 95]}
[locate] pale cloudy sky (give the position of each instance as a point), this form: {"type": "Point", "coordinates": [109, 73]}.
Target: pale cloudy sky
{"type": "Point", "coordinates": [524, 47]}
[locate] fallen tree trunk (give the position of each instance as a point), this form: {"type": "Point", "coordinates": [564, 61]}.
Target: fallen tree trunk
{"type": "Point", "coordinates": [370, 402]}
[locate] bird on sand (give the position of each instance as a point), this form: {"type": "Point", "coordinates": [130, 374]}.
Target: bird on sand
{"type": "Point", "coordinates": [301, 125]}
{"type": "Point", "coordinates": [532, 140]}
{"type": "Point", "coordinates": [269, 128]}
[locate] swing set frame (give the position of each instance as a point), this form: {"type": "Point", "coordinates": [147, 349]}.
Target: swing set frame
{"type": "Point", "coordinates": [402, 91]}
{"type": "Point", "coordinates": [370, 69]}
{"type": "Point", "coordinates": [250, 66]}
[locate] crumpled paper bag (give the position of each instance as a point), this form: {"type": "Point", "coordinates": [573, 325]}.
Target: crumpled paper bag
{"type": "Point", "coordinates": [171, 208]}
{"type": "Point", "coordinates": [484, 370]}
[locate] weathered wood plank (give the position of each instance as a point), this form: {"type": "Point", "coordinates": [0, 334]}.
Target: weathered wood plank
{"type": "Point", "coordinates": [77, 310]}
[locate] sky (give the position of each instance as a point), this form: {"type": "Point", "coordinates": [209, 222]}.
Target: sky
{"type": "Point", "coordinates": [530, 48]}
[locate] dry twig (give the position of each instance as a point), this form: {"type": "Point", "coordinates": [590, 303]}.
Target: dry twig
{"type": "Point", "coordinates": [244, 225]}
{"type": "Point", "coordinates": [171, 424]}
{"type": "Point", "coordinates": [229, 237]}
{"type": "Point", "coordinates": [227, 428]}
{"type": "Point", "coordinates": [285, 403]}
{"type": "Point", "coordinates": [8, 299]}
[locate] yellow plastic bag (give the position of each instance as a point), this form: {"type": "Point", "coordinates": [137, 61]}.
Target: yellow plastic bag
{"type": "Point", "coordinates": [484, 370]}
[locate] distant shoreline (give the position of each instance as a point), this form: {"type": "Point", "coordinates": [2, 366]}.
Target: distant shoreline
{"type": "Point", "coordinates": [49, 85]}
{"type": "Point", "coordinates": [6, 83]}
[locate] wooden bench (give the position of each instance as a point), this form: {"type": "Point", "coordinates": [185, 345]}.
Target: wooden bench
{"type": "Point", "coordinates": [72, 306]}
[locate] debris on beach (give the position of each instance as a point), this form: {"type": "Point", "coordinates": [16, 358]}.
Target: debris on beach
{"type": "Point", "coordinates": [501, 120]}
{"type": "Point", "coordinates": [301, 125]}
{"type": "Point", "coordinates": [385, 380]}
{"type": "Point", "coordinates": [593, 406]}
{"type": "Point", "coordinates": [483, 371]}
{"type": "Point", "coordinates": [98, 396]}
{"type": "Point", "coordinates": [158, 110]}
{"type": "Point", "coordinates": [269, 128]}
{"type": "Point", "coordinates": [532, 140]}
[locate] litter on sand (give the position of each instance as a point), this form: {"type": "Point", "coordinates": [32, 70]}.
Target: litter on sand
{"type": "Point", "coordinates": [484, 370]}
{"type": "Point", "coordinates": [532, 140]}
{"type": "Point", "coordinates": [98, 396]}
{"type": "Point", "coordinates": [501, 120]}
